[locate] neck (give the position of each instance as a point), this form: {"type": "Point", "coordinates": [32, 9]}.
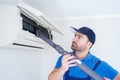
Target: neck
{"type": "Point", "coordinates": [81, 55]}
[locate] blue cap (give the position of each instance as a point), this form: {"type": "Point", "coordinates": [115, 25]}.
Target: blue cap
{"type": "Point", "coordinates": [88, 32]}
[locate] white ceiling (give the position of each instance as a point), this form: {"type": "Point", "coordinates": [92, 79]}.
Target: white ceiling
{"type": "Point", "coordinates": [59, 9]}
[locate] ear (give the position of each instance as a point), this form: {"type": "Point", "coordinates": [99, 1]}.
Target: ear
{"type": "Point", "coordinates": [89, 44]}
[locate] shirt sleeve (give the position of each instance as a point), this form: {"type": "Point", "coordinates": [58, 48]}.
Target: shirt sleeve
{"type": "Point", "coordinates": [58, 63]}
{"type": "Point", "coordinates": [105, 70]}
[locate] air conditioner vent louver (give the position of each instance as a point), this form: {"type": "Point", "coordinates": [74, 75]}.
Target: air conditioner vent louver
{"type": "Point", "coordinates": [27, 45]}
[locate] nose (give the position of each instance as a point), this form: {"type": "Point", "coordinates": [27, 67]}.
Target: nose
{"type": "Point", "coordinates": [74, 38]}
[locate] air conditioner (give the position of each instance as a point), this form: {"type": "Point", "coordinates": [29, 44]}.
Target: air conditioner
{"type": "Point", "coordinates": [19, 25]}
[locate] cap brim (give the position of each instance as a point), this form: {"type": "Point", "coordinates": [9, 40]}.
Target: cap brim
{"type": "Point", "coordinates": [76, 30]}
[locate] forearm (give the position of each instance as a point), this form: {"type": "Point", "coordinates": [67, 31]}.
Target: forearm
{"type": "Point", "coordinates": [117, 77]}
{"type": "Point", "coordinates": [56, 74]}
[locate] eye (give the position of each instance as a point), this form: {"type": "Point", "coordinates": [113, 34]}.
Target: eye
{"type": "Point", "coordinates": [75, 35]}
{"type": "Point", "coordinates": [79, 37]}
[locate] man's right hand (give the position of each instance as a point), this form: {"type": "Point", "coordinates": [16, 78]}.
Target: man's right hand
{"type": "Point", "coordinates": [68, 60]}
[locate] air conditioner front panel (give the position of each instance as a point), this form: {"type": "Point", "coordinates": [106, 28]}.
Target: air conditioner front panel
{"type": "Point", "coordinates": [10, 22]}
{"type": "Point", "coordinates": [28, 40]}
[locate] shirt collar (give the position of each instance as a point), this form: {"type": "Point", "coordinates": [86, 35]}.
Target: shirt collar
{"type": "Point", "coordinates": [89, 56]}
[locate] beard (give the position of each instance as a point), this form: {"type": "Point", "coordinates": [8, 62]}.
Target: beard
{"type": "Point", "coordinates": [75, 47]}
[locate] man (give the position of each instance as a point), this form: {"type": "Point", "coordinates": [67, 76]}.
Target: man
{"type": "Point", "coordinates": [82, 42]}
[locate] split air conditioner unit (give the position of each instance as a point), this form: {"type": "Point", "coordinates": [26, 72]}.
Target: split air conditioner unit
{"type": "Point", "coordinates": [20, 24]}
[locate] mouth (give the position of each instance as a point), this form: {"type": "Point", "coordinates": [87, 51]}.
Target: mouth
{"type": "Point", "coordinates": [73, 44]}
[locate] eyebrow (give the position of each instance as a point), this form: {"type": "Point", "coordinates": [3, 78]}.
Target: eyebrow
{"type": "Point", "coordinates": [78, 35]}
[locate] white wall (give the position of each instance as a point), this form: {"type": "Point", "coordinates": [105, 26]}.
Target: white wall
{"type": "Point", "coordinates": [18, 64]}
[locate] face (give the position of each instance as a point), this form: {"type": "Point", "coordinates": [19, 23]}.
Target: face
{"type": "Point", "coordinates": [80, 42]}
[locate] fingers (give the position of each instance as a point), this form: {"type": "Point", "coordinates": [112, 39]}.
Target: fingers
{"type": "Point", "coordinates": [68, 57]}
{"type": "Point", "coordinates": [72, 62]}
{"type": "Point", "coordinates": [106, 78]}
{"type": "Point", "coordinates": [68, 61]}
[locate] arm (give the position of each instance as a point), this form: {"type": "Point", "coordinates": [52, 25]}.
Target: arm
{"type": "Point", "coordinates": [57, 74]}
{"type": "Point", "coordinates": [117, 77]}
